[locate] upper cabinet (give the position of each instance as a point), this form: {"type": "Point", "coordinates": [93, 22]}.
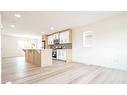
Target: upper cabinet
{"type": "Point", "coordinates": [56, 36]}
{"type": "Point", "coordinates": [64, 37]}
{"type": "Point", "coordinates": [53, 37]}
{"type": "Point", "coordinates": [50, 40]}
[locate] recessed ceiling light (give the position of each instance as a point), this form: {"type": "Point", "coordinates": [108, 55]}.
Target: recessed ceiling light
{"type": "Point", "coordinates": [42, 32]}
{"type": "Point", "coordinates": [12, 26]}
{"type": "Point", "coordinates": [17, 15]}
{"type": "Point", "coordinates": [52, 28]}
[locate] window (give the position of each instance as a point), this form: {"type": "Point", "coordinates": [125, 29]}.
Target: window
{"type": "Point", "coordinates": [26, 44]}
{"type": "Point", "coordinates": [87, 38]}
{"type": "Point", "coordinates": [21, 44]}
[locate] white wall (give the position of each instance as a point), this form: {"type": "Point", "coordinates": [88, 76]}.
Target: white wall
{"type": "Point", "coordinates": [0, 43]}
{"type": "Point", "coordinates": [10, 45]}
{"type": "Point", "coordinates": [109, 43]}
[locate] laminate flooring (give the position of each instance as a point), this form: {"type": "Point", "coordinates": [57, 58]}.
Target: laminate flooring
{"type": "Point", "coordinates": [17, 71]}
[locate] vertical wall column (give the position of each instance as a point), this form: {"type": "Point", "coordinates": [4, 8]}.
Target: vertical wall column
{"type": "Point", "coordinates": [0, 40]}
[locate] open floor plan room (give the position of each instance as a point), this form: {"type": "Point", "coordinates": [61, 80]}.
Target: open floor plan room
{"type": "Point", "coordinates": [64, 47]}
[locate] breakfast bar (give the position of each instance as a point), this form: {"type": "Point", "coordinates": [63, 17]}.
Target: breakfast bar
{"type": "Point", "coordinates": [39, 57]}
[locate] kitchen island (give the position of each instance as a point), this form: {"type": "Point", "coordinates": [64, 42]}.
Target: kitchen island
{"type": "Point", "coordinates": [39, 57]}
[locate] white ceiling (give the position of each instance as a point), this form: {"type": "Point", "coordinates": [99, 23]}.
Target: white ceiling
{"type": "Point", "coordinates": [33, 23]}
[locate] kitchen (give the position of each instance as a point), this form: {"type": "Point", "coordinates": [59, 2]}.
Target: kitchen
{"type": "Point", "coordinates": [56, 46]}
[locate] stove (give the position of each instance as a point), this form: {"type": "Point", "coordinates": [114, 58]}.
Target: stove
{"type": "Point", "coordinates": [54, 54]}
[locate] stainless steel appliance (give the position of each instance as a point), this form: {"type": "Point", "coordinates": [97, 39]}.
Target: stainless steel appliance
{"type": "Point", "coordinates": [54, 54]}
{"type": "Point", "coordinates": [56, 41]}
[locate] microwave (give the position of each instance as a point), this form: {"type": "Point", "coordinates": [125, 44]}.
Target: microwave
{"type": "Point", "coordinates": [56, 41]}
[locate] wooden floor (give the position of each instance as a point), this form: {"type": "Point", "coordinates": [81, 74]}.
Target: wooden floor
{"type": "Point", "coordinates": [17, 71]}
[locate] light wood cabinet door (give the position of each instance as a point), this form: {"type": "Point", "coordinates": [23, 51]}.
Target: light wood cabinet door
{"type": "Point", "coordinates": [37, 57]}
{"type": "Point", "coordinates": [61, 54]}
{"type": "Point", "coordinates": [65, 37]}
{"type": "Point", "coordinates": [58, 54]}
{"type": "Point", "coordinates": [56, 36]}
{"type": "Point", "coordinates": [61, 38]}
{"type": "Point", "coordinates": [51, 40]}
{"type": "Point", "coordinates": [30, 56]}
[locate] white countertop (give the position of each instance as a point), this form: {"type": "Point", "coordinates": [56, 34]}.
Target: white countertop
{"type": "Point", "coordinates": [35, 49]}
{"type": "Point", "coordinates": [32, 48]}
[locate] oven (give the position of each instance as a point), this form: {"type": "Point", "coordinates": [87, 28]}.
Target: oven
{"type": "Point", "coordinates": [54, 54]}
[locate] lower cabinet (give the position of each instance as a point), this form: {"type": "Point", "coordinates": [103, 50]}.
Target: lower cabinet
{"type": "Point", "coordinates": [39, 57]}
{"type": "Point", "coordinates": [33, 56]}
{"type": "Point", "coordinates": [61, 54]}
{"type": "Point", "coordinates": [64, 54]}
